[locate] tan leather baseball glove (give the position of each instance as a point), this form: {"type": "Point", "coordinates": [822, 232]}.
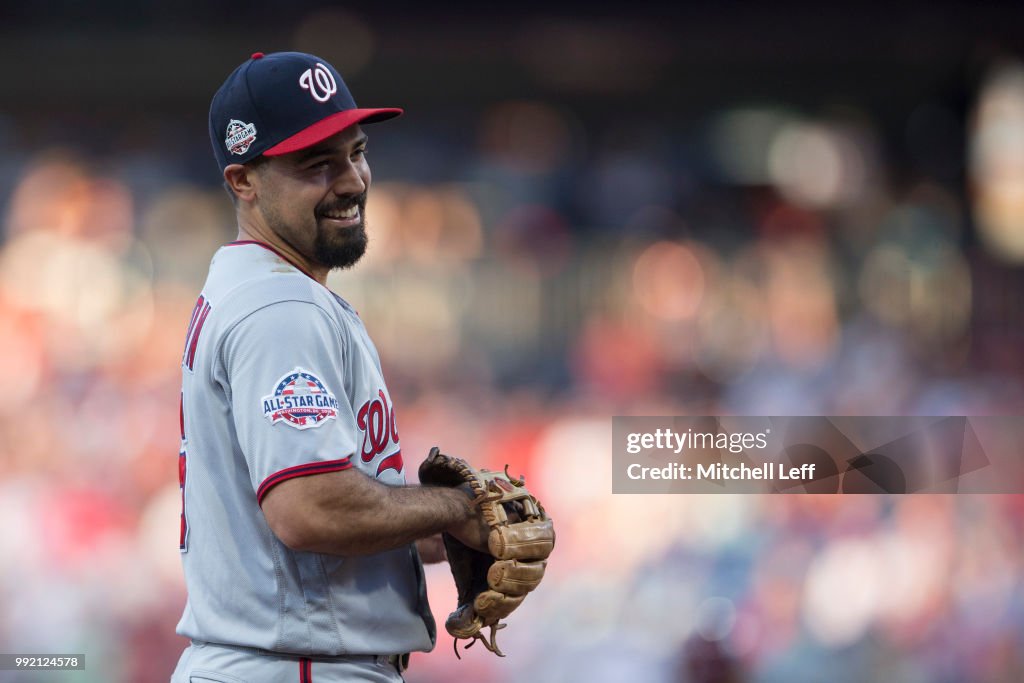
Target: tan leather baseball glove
{"type": "Point", "coordinates": [491, 586]}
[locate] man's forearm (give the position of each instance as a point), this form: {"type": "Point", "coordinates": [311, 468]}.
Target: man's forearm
{"type": "Point", "coordinates": [398, 517]}
{"type": "Point", "coordinates": [348, 513]}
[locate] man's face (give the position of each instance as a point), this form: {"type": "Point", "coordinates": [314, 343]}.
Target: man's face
{"type": "Point", "coordinates": [315, 199]}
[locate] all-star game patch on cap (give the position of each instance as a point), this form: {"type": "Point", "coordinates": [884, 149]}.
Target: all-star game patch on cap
{"type": "Point", "coordinates": [282, 102]}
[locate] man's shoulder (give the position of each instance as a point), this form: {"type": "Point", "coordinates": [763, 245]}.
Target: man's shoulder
{"type": "Point", "coordinates": [251, 290]}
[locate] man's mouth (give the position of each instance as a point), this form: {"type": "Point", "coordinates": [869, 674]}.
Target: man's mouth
{"type": "Point", "coordinates": [343, 214]}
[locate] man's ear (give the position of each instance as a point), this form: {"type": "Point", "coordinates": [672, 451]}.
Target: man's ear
{"type": "Point", "coordinates": [241, 180]}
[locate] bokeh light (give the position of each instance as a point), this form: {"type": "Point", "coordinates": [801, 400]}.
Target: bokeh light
{"type": "Point", "coordinates": [668, 281]}
{"type": "Point", "coordinates": [818, 165]}
{"type": "Point", "coordinates": [997, 160]}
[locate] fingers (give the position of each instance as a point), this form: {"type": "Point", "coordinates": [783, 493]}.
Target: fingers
{"type": "Point", "coordinates": [472, 532]}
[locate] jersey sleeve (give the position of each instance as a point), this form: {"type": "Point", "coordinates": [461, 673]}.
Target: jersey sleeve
{"type": "Point", "coordinates": [284, 365]}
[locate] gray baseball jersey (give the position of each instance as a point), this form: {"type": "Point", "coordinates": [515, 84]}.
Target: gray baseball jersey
{"type": "Point", "coordinates": [281, 380]}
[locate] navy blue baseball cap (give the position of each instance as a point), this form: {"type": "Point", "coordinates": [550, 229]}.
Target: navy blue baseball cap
{"type": "Point", "coordinates": [279, 103]}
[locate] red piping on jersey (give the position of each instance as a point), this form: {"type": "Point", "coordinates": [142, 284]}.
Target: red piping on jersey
{"type": "Point", "coordinates": [300, 471]}
{"type": "Point", "coordinates": [270, 248]}
{"type": "Point", "coordinates": [305, 671]}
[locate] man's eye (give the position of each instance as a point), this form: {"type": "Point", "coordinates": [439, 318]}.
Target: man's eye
{"type": "Point", "coordinates": [361, 152]}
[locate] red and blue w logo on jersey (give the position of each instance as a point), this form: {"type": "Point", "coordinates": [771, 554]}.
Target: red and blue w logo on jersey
{"type": "Point", "coordinates": [300, 400]}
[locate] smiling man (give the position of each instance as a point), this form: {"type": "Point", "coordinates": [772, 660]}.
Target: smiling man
{"type": "Point", "coordinates": [312, 202]}
{"type": "Point", "coordinates": [301, 542]}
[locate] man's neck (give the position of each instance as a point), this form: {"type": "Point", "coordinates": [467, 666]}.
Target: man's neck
{"type": "Point", "coordinates": [249, 232]}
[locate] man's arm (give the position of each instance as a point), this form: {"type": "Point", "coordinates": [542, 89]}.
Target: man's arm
{"type": "Point", "coordinates": [348, 513]}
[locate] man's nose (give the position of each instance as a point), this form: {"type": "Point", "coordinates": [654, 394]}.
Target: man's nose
{"type": "Point", "coordinates": [349, 180]}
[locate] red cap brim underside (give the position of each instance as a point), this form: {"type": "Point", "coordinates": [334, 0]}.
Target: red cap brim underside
{"type": "Point", "coordinates": [325, 128]}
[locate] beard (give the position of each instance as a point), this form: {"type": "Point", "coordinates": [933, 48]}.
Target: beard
{"type": "Point", "coordinates": [341, 248]}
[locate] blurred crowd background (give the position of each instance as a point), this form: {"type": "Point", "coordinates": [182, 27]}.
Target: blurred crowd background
{"type": "Point", "coordinates": [795, 209]}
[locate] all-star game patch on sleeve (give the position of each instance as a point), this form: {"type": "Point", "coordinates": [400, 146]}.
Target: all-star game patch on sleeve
{"type": "Point", "coordinates": [285, 367]}
{"type": "Point", "coordinates": [300, 400]}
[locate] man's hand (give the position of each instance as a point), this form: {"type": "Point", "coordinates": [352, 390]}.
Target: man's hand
{"type": "Point", "coordinates": [472, 532]}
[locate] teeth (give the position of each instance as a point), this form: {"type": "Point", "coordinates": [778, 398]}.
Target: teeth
{"type": "Point", "coordinates": [350, 212]}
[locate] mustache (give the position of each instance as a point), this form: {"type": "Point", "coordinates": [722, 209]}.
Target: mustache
{"type": "Point", "coordinates": [343, 203]}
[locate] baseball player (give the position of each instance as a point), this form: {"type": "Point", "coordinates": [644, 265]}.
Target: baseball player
{"type": "Point", "coordinates": [298, 533]}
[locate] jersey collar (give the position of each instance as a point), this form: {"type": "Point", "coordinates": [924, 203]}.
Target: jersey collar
{"type": "Point", "coordinates": [266, 246]}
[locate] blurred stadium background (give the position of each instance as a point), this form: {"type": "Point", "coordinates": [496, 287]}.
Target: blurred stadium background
{"type": "Point", "coordinates": [796, 209]}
